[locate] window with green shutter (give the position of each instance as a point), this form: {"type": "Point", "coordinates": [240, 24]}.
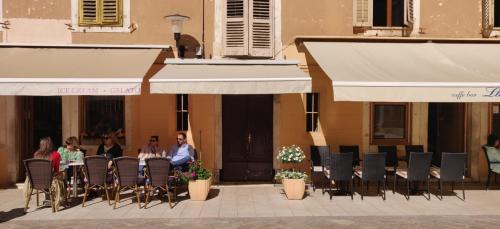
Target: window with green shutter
{"type": "Point", "coordinates": [100, 12]}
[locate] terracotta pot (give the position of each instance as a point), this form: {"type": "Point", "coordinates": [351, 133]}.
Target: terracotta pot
{"type": "Point", "coordinates": [198, 189]}
{"type": "Point", "coordinates": [294, 188]}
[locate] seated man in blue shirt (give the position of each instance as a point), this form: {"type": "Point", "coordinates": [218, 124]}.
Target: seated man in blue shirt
{"type": "Point", "coordinates": [181, 153]}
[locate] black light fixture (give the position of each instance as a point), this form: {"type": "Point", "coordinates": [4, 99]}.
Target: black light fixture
{"type": "Point", "coordinates": [177, 20]}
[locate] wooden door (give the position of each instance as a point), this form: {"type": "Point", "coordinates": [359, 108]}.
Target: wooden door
{"type": "Point", "coordinates": [446, 131]}
{"type": "Point", "coordinates": [247, 137]}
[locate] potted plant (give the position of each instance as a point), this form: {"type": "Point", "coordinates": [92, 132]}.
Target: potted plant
{"type": "Point", "coordinates": [293, 181]}
{"type": "Point", "coordinates": [200, 180]}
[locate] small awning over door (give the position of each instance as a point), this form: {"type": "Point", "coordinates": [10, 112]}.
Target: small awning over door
{"type": "Point", "coordinates": [410, 72]}
{"type": "Point", "coordinates": [230, 77]}
{"type": "Point", "coordinates": [85, 70]}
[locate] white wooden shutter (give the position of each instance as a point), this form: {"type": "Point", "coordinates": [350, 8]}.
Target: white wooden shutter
{"type": "Point", "coordinates": [362, 13]}
{"type": "Point", "coordinates": [408, 13]}
{"type": "Point", "coordinates": [235, 27]}
{"type": "Point", "coordinates": [261, 28]}
{"type": "Point", "coordinates": [88, 12]}
{"type": "Point", "coordinates": [111, 12]}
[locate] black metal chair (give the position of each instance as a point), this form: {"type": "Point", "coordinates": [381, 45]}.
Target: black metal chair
{"type": "Point", "coordinates": [126, 171]}
{"type": "Point", "coordinates": [489, 162]}
{"type": "Point", "coordinates": [341, 170]}
{"type": "Point", "coordinates": [157, 172]}
{"type": "Point", "coordinates": [391, 159]}
{"type": "Point", "coordinates": [317, 162]}
{"type": "Point", "coordinates": [418, 170]}
{"type": "Point", "coordinates": [412, 148]}
{"type": "Point", "coordinates": [452, 170]}
{"type": "Point", "coordinates": [96, 170]}
{"type": "Point", "coordinates": [373, 170]}
{"type": "Point", "coordinates": [354, 149]}
{"type": "Point", "coordinates": [39, 172]}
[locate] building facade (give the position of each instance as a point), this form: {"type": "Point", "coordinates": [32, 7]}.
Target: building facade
{"type": "Point", "coordinates": [238, 126]}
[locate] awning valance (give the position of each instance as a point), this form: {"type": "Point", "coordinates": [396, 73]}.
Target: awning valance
{"type": "Point", "coordinates": [410, 72]}
{"type": "Point", "coordinates": [230, 77]}
{"type": "Point", "coordinates": [47, 71]}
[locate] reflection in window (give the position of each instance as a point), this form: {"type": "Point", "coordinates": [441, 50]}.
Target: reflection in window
{"type": "Point", "coordinates": [495, 119]}
{"type": "Point", "coordinates": [102, 114]}
{"type": "Point", "coordinates": [389, 122]}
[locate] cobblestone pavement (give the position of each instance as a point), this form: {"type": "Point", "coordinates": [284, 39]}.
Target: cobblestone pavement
{"type": "Point", "coordinates": [409, 222]}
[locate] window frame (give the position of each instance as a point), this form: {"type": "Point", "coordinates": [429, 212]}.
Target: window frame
{"type": "Point", "coordinates": [314, 114]}
{"type": "Point", "coordinates": [184, 125]}
{"type": "Point", "coordinates": [368, 29]}
{"type": "Point", "coordinates": [83, 122]}
{"type": "Point", "coordinates": [490, 116]}
{"type": "Point", "coordinates": [125, 26]}
{"type": "Point", "coordinates": [392, 141]}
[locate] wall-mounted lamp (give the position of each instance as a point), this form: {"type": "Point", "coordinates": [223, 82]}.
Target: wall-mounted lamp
{"type": "Point", "coordinates": [177, 20]}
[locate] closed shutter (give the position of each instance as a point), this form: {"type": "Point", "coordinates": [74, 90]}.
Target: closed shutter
{"type": "Point", "coordinates": [111, 12]}
{"type": "Point", "coordinates": [488, 17]}
{"type": "Point", "coordinates": [409, 17]}
{"type": "Point", "coordinates": [89, 12]}
{"type": "Point", "coordinates": [235, 35]}
{"type": "Point", "coordinates": [362, 13]}
{"type": "Point", "coordinates": [261, 28]}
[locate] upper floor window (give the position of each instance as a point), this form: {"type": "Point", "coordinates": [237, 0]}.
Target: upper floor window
{"type": "Point", "coordinates": [491, 14]}
{"type": "Point", "coordinates": [383, 13]}
{"type": "Point", "coordinates": [100, 15]}
{"type": "Point", "coordinates": [248, 28]}
{"type": "Point", "coordinates": [100, 12]}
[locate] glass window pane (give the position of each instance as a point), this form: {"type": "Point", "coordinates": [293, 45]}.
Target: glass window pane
{"type": "Point", "coordinates": [495, 128]}
{"type": "Point", "coordinates": [379, 13]}
{"type": "Point", "coordinates": [179, 121]}
{"type": "Point", "coordinates": [316, 104]}
{"type": "Point", "coordinates": [309, 126]}
{"type": "Point", "coordinates": [315, 122]}
{"type": "Point", "coordinates": [389, 122]}
{"type": "Point", "coordinates": [185, 121]}
{"type": "Point", "coordinates": [398, 7]}
{"type": "Point", "coordinates": [178, 102]}
{"type": "Point", "coordinates": [103, 114]}
{"type": "Point", "coordinates": [497, 15]}
{"type": "Point", "coordinates": [309, 102]}
{"type": "Point", "coordinates": [185, 101]}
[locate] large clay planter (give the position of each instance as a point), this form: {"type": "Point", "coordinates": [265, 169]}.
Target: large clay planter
{"type": "Point", "coordinates": [294, 188]}
{"type": "Point", "coordinates": [198, 189]}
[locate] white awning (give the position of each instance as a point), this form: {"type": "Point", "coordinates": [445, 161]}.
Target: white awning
{"type": "Point", "coordinates": [410, 72]}
{"type": "Point", "coordinates": [72, 70]}
{"type": "Point", "coordinates": [230, 77]}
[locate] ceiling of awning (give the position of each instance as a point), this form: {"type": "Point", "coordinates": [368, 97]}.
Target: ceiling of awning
{"type": "Point", "coordinates": [410, 72]}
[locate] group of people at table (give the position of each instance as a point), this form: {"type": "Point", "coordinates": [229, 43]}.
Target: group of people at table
{"type": "Point", "coordinates": [180, 154]}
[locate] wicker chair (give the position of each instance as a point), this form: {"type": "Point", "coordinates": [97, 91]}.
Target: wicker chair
{"type": "Point", "coordinates": [96, 168]}
{"type": "Point", "coordinates": [413, 148]}
{"type": "Point", "coordinates": [354, 149]}
{"type": "Point", "coordinates": [418, 170]}
{"type": "Point", "coordinates": [452, 170]}
{"type": "Point", "coordinates": [39, 173]}
{"type": "Point", "coordinates": [126, 171]}
{"type": "Point", "coordinates": [391, 159]}
{"type": "Point", "coordinates": [318, 154]}
{"type": "Point", "coordinates": [341, 170]}
{"type": "Point", "coordinates": [157, 172]}
{"type": "Point", "coordinates": [373, 170]}
{"type": "Point", "coordinates": [489, 162]}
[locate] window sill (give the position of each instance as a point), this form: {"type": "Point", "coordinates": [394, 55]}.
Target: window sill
{"type": "Point", "coordinates": [495, 33]}
{"type": "Point", "coordinates": [100, 29]}
{"type": "Point", "coordinates": [382, 31]}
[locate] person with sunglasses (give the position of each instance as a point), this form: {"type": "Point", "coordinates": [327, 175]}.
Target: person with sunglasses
{"type": "Point", "coordinates": [151, 150]}
{"type": "Point", "coordinates": [181, 153]}
{"type": "Point", "coordinates": [110, 148]}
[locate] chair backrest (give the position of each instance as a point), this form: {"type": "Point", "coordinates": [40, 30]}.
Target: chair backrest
{"type": "Point", "coordinates": [413, 148]}
{"type": "Point", "coordinates": [319, 154]}
{"type": "Point", "coordinates": [452, 166]}
{"type": "Point", "coordinates": [127, 170]}
{"type": "Point", "coordinates": [374, 166]}
{"type": "Point", "coordinates": [354, 149]}
{"type": "Point", "coordinates": [391, 158]}
{"type": "Point", "coordinates": [419, 165]}
{"type": "Point", "coordinates": [487, 158]}
{"type": "Point", "coordinates": [341, 166]}
{"type": "Point", "coordinates": [158, 169]}
{"type": "Point", "coordinates": [96, 168]}
{"type": "Point", "coordinates": [39, 173]}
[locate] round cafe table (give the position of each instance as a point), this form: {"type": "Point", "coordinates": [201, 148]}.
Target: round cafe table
{"type": "Point", "coordinates": [75, 165]}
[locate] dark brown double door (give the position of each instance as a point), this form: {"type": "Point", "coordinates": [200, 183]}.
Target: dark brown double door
{"type": "Point", "coordinates": [247, 138]}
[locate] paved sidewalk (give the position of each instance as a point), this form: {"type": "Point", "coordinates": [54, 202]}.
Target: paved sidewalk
{"type": "Point", "coordinates": [254, 206]}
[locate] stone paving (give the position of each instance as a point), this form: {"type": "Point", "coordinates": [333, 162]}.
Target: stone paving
{"type": "Point", "coordinates": [257, 206]}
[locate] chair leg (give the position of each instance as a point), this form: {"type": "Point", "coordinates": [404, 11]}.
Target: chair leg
{"type": "Point", "coordinates": [117, 195]}
{"type": "Point", "coordinates": [488, 181]}
{"type": "Point", "coordinates": [463, 190]}
{"type": "Point", "coordinates": [85, 194]}
{"type": "Point", "coordinates": [408, 189]}
{"type": "Point", "coordinates": [428, 189]}
{"type": "Point", "coordinates": [362, 189]}
{"type": "Point", "coordinates": [323, 185]}
{"type": "Point", "coordinates": [441, 188]}
{"type": "Point", "coordinates": [385, 190]}
{"type": "Point", "coordinates": [107, 193]}
{"type": "Point", "coordinates": [136, 190]}
{"type": "Point", "coordinates": [169, 200]}
{"type": "Point", "coordinates": [26, 204]}
{"type": "Point", "coordinates": [351, 188]}
{"type": "Point", "coordinates": [395, 180]}
{"type": "Point", "coordinates": [52, 204]}
{"type": "Point", "coordinates": [37, 199]}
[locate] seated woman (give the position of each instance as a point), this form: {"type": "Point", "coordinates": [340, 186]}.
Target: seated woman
{"type": "Point", "coordinates": [492, 145]}
{"type": "Point", "coordinates": [110, 149]}
{"type": "Point", "coordinates": [70, 152]}
{"type": "Point", "coordinates": [45, 151]}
